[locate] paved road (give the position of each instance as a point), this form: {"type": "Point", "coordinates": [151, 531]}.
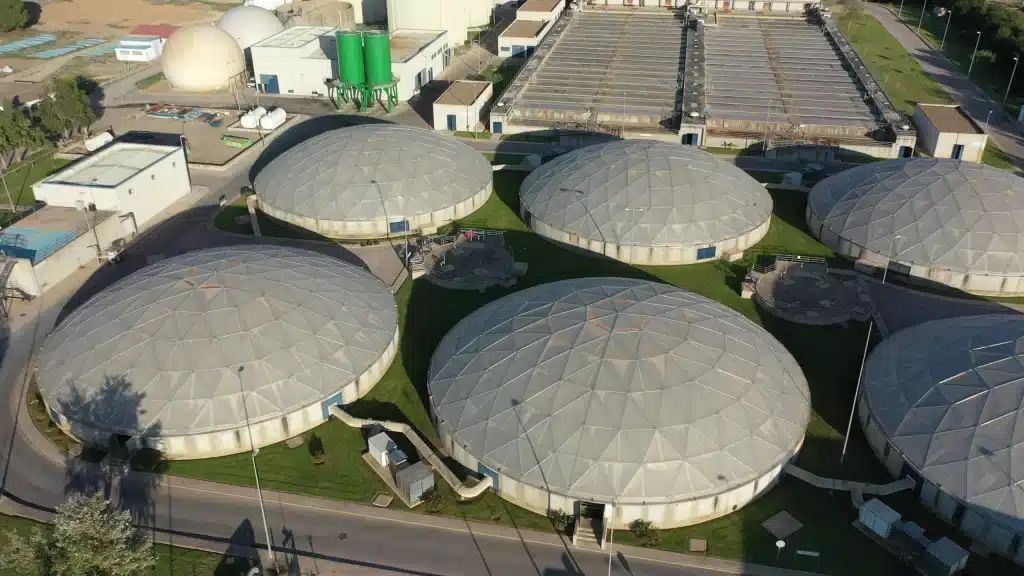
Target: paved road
{"type": "Point", "coordinates": [1005, 131]}
{"type": "Point", "coordinates": [35, 477]}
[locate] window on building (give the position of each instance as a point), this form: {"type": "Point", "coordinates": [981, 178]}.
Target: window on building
{"type": "Point", "coordinates": [706, 253]}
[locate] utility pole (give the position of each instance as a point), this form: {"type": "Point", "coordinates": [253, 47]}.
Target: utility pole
{"type": "Point", "coordinates": [256, 471]}
{"type": "Point", "coordinates": [1016, 60]}
{"type": "Point", "coordinates": [949, 16]}
{"type": "Point", "coordinates": [975, 53]}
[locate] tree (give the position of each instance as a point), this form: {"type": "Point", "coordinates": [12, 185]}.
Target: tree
{"type": "Point", "coordinates": [89, 538]}
{"type": "Point", "coordinates": [17, 132]}
{"type": "Point", "coordinates": [13, 15]}
{"type": "Point", "coordinates": [66, 110]}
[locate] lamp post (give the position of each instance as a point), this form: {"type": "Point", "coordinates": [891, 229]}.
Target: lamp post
{"type": "Point", "coordinates": [1016, 60]}
{"type": "Point", "coordinates": [766, 118]}
{"type": "Point", "coordinates": [921, 19]}
{"type": "Point", "coordinates": [975, 53]}
{"type": "Point", "coordinates": [949, 16]}
{"type": "Point", "coordinates": [611, 538]}
{"type": "Point", "coordinates": [901, 10]}
{"type": "Point", "coordinates": [864, 357]}
{"type": "Point", "coordinates": [987, 118]}
{"type": "Point", "coordinates": [256, 470]}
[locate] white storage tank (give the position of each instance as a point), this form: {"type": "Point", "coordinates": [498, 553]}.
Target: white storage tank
{"type": "Point", "coordinates": [273, 119]}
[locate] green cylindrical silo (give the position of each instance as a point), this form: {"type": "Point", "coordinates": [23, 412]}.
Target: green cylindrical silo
{"type": "Point", "coordinates": [378, 59]}
{"type": "Point", "coordinates": [350, 58]}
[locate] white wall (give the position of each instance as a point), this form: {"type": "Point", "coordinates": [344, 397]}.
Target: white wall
{"type": "Point", "coordinates": [466, 117]}
{"type": "Point", "coordinates": [455, 16]}
{"type": "Point", "coordinates": [138, 51]}
{"type": "Point", "coordinates": [540, 16]}
{"type": "Point", "coordinates": [297, 73]}
{"type": "Point", "coordinates": [940, 144]}
{"type": "Point", "coordinates": [430, 58]}
{"type": "Point", "coordinates": [155, 188]}
{"type": "Point", "coordinates": [505, 43]}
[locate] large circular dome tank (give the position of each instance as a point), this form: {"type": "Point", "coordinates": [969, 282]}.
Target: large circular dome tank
{"type": "Point", "coordinates": [673, 407]}
{"type": "Point", "coordinates": [202, 58]}
{"type": "Point", "coordinates": [374, 180]}
{"type": "Point", "coordinates": [249, 24]}
{"type": "Point", "coordinates": [951, 222]}
{"type": "Point", "coordinates": [646, 202]}
{"type": "Point", "coordinates": [191, 353]}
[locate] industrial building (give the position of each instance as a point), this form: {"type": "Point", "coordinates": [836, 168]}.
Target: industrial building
{"type": "Point", "coordinates": [462, 105]}
{"type": "Point", "coordinates": [362, 11]}
{"type": "Point", "coordinates": [203, 58]}
{"type": "Point", "coordinates": [796, 83]}
{"type": "Point", "coordinates": [49, 245]}
{"type": "Point", "coordinates": [139, 48]}
{"type": "Point", "coordinates": [942, 404]}
{"type": "Point", "coordinates": [797, 6]}
{"type": "Point", "coordinates": [219, 351]}
{"type": "Point", "coordinates": [946, 131]}
{"type": "Point", "coordinates": [136, 181]}
{"type": "Point", "coordinates": [647, 202]}
{"type": "Point", "coordinates": [534, 20]}
{"type": "Point", "coordinates": [303, 60]}
{"type": "Point", "coordinates": [934, 220]}
{"type": "Point", "coordinates": [374, 181]}
{"type": "Point", "coordinates": [631, 396]}
{"type": "Point", "coordinates": [455, 17]}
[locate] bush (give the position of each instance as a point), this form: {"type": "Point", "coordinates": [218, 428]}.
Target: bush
{"type": "Point", "coordinates": [316, 450]}
{"type": "Point", "coordinates": [434, 501]}
{"type": "Point", "coordinates": [641, 528]}
{"type": "Point", "coordinates": [560, 520]}
{"type": "Point", "coordinates": [653, 537]}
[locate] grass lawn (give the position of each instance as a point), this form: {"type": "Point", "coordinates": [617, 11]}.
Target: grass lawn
{"type": "Point", "coordinates": [501, 75]}
{"type": "Point", "coordinates": [829, 356]}
{"type": "Point", "coordinates": [21, 176]}
{"type": "Point", "coordinates": [226, 220]}
{"type": "Point", "coordinates": [171, 561]}
{"type": "Point", "coordinates": [900, 75]}
{"type": "Point", "coordinates": [149, 81]}
{"type": "Point", "coordinates": [994, 156]}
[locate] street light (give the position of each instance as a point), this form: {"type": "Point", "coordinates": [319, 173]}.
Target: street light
{"type": "Point", "coordinates": [256, 470]}
{"type": "Point", "coordinates": [921, 19]}
{"type": "Point", "coordinates": [1016, 60]}
{"type": "Point", "coordinates": [864, 357]}
{"type": "Point", "coordinates": [764, 148]}
{"type": "Point", "coordinates": [901, 10]}
{"type": "Point", "coordinates": [975, 53]}
{"type": "Point", "coordinates": [987, 117]}
{"type": "Point", "coordinates": [949, 16]}
{"type": "Point", "coordinates": [611, 538]}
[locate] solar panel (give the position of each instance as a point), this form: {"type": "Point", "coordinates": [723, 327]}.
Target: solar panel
{"type": "Point", "coordinates": [27, 43]}
{"type": "Point", "coordinates": [80, 45]}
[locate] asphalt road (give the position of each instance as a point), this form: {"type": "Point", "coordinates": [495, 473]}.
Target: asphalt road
{"type": "Point", "coordinates": [329, 541]}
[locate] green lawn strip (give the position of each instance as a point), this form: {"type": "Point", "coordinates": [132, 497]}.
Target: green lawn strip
{"type": "Point", "coordinates": [994, 156]}
{"type": "Point", "coordinates": [829, 357]}
{"type": "Point", "coordinates": [20, 177]}
{"type": "Point", "coordinates": [501, 75]}
{"type": "Point", "coordinates": [149, 81]}
{"type": "Point", "coordinates": [899, 73]}
{"type": "Point", "coordinates": [171, 561]}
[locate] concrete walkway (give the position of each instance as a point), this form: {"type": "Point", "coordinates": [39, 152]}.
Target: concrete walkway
{"type": "Point", "coordinates": [848, 485]}
{"type": "Point", "coordinates": [1002, 129]}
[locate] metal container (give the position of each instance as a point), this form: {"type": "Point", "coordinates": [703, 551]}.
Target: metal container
{"type": "Point", "coordinates": [350, 58]}
{"type": "Point", "coordinates": [378, 59]}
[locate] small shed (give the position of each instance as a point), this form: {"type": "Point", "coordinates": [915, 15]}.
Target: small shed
{"type": "Point", "coordinates": [460, 106]}
{"type": "Point", "coordinates": [414, 481]}
{"type": "Point", "coordinates": [380, 445]}
{"type": "Point", "coordinates": [949, 555]}
{"type": "Point", "coordinates": [946, 131]}
{"type": "Point", "coordinates": [878, 517]}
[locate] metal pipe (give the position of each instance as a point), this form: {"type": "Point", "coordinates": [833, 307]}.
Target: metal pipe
{"type": "Point", "coordinates": [1016, 60]}
{"type": "Point", "coordinates": [766, 118]}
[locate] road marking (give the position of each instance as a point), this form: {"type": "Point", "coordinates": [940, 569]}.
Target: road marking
{"type": "Point", "coordinates": [451, 529]}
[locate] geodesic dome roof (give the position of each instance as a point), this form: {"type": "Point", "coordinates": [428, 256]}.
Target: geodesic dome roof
{"type": "Point", "coordinates": [646, 193]}
{"type": "Point", "coordinates": [615, 389]}
{"type": "Point", "coordinates": [160, 351]}
{"type": "Point", "coordinates": [331, 176]}
{"type": "Point", "coordinates": [948, 214]}
{"type": "Point", "coordinates": [949, 396]}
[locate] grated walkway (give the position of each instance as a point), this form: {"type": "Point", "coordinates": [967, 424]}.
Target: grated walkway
{"type": "Point", "coordinates": [905, 483]}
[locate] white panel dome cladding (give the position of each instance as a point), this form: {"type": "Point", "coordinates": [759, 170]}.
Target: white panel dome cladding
{"type": "Point", "coordinates": [949, 395]}
{"type": "Point", "coordinates": [249, 24]}
{"type": "Point", "coordinates": [330, 176]}
{"type": "Point", "coordinates": [629, 390]}
{"type": "Point", "coordinates": [201, 59]}
{"type": "Point", "coordinates": [646, 193]}
{"type": "Point", "coordinates": [302, 325]}
{"type": "Point", "coordinates": [949, 214]}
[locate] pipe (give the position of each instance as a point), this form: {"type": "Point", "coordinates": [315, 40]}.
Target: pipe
{"type": "Point", "coordinates": [252, 202]}
{"type": "Point", "coordinates": [425, 452]}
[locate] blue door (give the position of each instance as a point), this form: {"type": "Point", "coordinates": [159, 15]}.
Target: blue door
{"type": "Point", "coordinates": [401, 227]}
{"type": "Point", "coordinates": [496, 127]}
{"type": "Point", "coordinates": [705, 253]}
{"type": "Point", "coordinates": [452, 124]}
{"type": "Point", "coordinates": [486, 471]}
{"type": "Point", "coordinates": [270, 84]}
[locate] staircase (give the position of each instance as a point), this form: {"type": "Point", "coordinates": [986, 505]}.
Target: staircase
{"type": "Point", "coordinates": [586, 533]}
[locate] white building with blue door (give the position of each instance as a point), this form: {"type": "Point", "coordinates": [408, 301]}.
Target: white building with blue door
{"type": "Point", "coordinates": [946, 131]}
{"type": "Point", "coordinates": [219, 351]}
{"type": "Point", "coordinates": [462, 105]}
{"type": "Point", "coordinates": [647, 202]}
{"type": "Point", "coordinates": [374, 181]}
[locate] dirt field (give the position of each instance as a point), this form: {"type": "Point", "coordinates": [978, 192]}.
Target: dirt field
{"type": "Point", "coordinates": [100, 18]}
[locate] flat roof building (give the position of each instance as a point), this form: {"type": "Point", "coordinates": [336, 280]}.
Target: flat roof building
{"type": "Point", "coordinates": [646, 202]}
{"type": "Point", "coordinates": [219, 351]}
{"type": "Point", "coordinates": [938, 220]}
{"type": "Point", "coordinates": [462, 105]}
{"type": "Point", "coordinates": [946, 131]}
{"type": "Point", "coordinates": [137, 181]}
{"type": "Point", "coordinates": [635, 397]}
